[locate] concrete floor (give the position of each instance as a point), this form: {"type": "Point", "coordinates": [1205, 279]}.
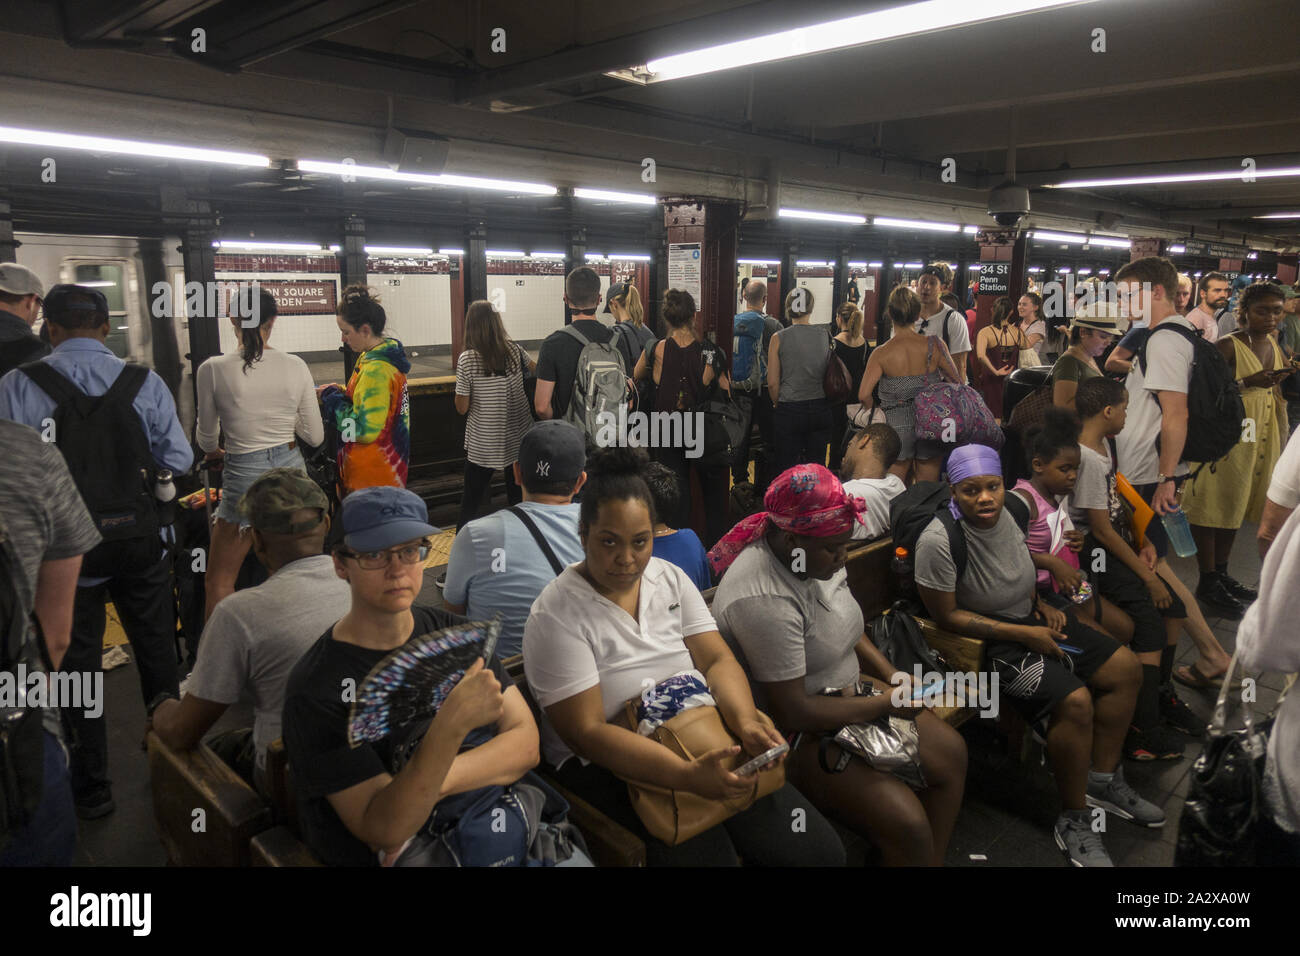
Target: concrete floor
{"type": "Point", "coordinates": [1005, 819]}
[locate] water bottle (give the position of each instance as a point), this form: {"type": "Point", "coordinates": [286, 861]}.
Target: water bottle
{"type": "Point", "coordinates": [901, 566]}
{"type": "Point", "coordinates": [164, 490]}
{"type": "Point", "coordinates": [1179, 533]}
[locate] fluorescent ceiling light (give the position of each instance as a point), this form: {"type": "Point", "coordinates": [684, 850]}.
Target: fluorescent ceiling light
{"type": "Point", "coordinates": [1177, 250]}
{"type": "Point", "coordinates": [546, 255]}
{"type": "Point", "coordinates": [1253, 255]}
{"type": "Point", "coordinates": [595, 257]}
{"type": "Point", "coordinates": [630, 256]}
{"type": "Point", "coordinates": [1279, 215]}
{"type": "Point", "coordinates": [129, 147]}
{"type": "Point", "coordinates": [1207, 177]}
{"type": "Point", "coordinates": [953, 266]}
{"type": "Point", "coordinates": [1035, 269]}
{"type": "Point", "coordinates": [915, 224]}
{"type": "Point", "coordinates": [970, 230]}
{"type": "Point", "coordinates": [267, 246]}
{"type": "Point", "coordinates": [505, 254]}
{"type": "Point", "coordinates": [399, 250]}
{"type": "Point", "coordinates": [761, 262]}
{"type": "Point", "coordinates": [1103, 272]}
{"type": "Point", "coordinates": [875, 265]}
{"type": "Point", "coordinates": [812, 263]}
{"type": "Point", "coordinates": [608, 195]}
{"type": "Point", "coordinates": [451, 252]}
{"type": "Point", "coordinates": [99, 284]}
{"type": "Point", "coordinates": [1063, 270]}
{"type": "Point", "coordinates": [1115, 242]}
{"type": "Point", "coordinates": [911, 265]}
{"type": "Point", "coordinates": [444, 179]}
{"type": "Point", "coordinates": [1086, 271]}
{"type": "Point", "coordinates": [974, 265]}
{"type": "Point", "coordinates": [856, 265]}
{"type": "Point", "coordinates": [901, 21]}
{"type": "Point", "coordinates": [822, 216]}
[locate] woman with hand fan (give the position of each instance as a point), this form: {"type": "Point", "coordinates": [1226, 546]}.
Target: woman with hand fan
{"type": "Point", "coordinates": [395, 754]}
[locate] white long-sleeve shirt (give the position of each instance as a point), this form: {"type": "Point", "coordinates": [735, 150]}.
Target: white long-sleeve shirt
{"type": "Point", "coordinates": [260, 408]}
{"type": "Point", "coordinates": [1269, 640]}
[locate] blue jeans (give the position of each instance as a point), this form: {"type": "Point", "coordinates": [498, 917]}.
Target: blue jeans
{"type": "Point", "coordinates": [50, 838]}
{"type": "Point", "coordinates": [240, 471]}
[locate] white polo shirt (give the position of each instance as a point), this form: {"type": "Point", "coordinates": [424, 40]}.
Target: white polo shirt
{"type": "Point", "coordinates": [576, 639]}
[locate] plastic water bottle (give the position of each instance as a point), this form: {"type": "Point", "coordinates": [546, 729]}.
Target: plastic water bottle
{"type": "Point", "coordinates": [1179, 532]}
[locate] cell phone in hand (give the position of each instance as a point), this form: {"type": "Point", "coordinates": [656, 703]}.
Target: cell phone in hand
{"type": "Point", "coordinates": [751, 767]}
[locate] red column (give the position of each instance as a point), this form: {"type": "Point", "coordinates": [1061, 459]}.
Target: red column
{"type": "Point", "coordinates": [457, 308]}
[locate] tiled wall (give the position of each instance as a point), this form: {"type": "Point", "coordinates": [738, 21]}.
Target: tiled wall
{"type": "Point", "coordinates": [821, 290]}
{"type": "Point", "coordinates": [532, 307]}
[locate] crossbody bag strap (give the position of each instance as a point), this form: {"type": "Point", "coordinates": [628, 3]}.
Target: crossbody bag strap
{"type": "Point", "coordinates": [536, 532]}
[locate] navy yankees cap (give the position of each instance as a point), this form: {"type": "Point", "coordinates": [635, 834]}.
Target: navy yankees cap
{"type": "Point", "coordinates": [552, 451]}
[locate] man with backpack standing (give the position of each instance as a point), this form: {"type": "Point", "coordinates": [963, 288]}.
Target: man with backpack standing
{"type": "Point", "coordinates": [21, 292]}
{"type": "Point", "coordinates": [940, 320]}
{"type": "Point", "coordinates": [751, 335]}
{"type": "Point", "coordinates": [116, 426]}
{"type": "Point", "coordinates": [580, 372]}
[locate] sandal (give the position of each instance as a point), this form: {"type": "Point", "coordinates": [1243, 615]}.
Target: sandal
{"type": "Point", "coordinates": [1190, 676]}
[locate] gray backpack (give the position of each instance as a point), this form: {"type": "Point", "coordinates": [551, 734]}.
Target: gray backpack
{"type": "Point", "coordinates": [600, 384]}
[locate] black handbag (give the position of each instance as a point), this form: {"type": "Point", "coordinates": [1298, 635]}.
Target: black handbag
{"type": "Point", "coordinates": [724, 427]}
{"type": "Point", "coordinates": [1220, 819]}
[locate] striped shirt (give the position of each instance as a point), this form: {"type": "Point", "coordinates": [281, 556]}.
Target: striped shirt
{"type": "Point", "coordinates": [498, 411]}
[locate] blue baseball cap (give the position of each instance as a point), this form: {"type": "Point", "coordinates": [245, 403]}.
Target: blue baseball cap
{"type": "Point", "coordinates": [379, 518]}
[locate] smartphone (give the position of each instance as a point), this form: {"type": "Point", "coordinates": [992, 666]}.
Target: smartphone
{"type": "Point", "coordinates": [490, 641]}
{"type": "Point", "coordinates": [1069, 648]}
{"type": "Point", "coordinates": [762, 760]}
{"type": "Point", "coordinates": [920, 692]}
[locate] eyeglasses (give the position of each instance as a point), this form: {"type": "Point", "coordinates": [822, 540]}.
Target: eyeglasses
{"type": "Point", "coordinates": [374, 560]}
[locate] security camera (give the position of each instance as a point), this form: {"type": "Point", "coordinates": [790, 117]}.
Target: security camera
{"type": "Point", "coordinates": [1009, 203]}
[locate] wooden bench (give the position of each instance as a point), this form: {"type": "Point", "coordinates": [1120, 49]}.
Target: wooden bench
{"type": "Point", "coordinates": [205, 813]}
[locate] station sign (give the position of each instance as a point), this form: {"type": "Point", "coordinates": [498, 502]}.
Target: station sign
{"type": "Point", "coordinates": [995, 278]}
{"type": "Point", "coordinates": [305, 297]}
{"type": "Point", "coordinates": [1220, 250]}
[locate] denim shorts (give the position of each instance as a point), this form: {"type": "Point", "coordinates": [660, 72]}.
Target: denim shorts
{"type": "Point", "coordinates": [241, 471]}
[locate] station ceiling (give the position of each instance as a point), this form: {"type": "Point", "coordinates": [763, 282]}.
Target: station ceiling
{"type": "Point", "coordinates": [1183, 85]}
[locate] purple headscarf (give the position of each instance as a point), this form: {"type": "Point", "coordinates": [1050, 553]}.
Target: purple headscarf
{"type": "Point", "coordinates": [970, 461]}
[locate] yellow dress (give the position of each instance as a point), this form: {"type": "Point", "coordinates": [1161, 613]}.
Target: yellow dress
{"type": "Point", "coordinates": [1234, 491]}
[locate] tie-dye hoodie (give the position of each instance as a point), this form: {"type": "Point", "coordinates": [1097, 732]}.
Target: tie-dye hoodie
{"type": "Point", "coordinates": [375, 412]}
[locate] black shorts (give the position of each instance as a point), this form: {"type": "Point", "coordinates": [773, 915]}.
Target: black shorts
{"type": "Point", "coordinates": [1035, 683]}
{"type": "Point", "coordinates": [1119, 584]}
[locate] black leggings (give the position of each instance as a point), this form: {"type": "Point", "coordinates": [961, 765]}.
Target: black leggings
{"type": "Point", "coordinates": [801, 432]}
{"type": "Point", "coordinates": [477, 493]}
{"type": "Point", "coordinates": [782, 829]}
{"type": "Point", "coordinates": [713, 489]}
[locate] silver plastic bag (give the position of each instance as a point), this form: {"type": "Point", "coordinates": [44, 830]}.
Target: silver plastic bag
{"type": "Point", "coordinates": [888, 743]}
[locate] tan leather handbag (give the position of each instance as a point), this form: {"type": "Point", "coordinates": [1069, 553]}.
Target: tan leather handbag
{"type": "Point", "coordinates": [674, 816]}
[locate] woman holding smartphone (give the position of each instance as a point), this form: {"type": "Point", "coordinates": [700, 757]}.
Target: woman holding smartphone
{"type": "Point", "coordinates": [785, 601]}
{"type": "Point", "coordinates": [618, 625]}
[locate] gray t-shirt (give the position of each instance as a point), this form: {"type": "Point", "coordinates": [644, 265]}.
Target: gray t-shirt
{"type": "Point", "coordinates": [1092, 488]}
{"type": "Point", "coordinates": [256, 636]}
{"type": "Point", "coordinates": [781, 627]}
{"type": "Point", "coordinates": [805, 350]}
{"type": "Point", "coordinates": [43, 515]}
{"type": "Point", "coordinates": [1000, 575]}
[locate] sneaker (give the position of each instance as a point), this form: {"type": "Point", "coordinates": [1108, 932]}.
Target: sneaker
{"type": "Point", "coordinates": [1154, 744]}
{"type": "Point", "coordinates": [1079, 843]}
{"type": "Point", "coordinates": [1214, 594]}
{"type": "Point", "coordinates": [95, 803]}
{"type": "Point", "coordinates": [1238, 590]}
{"type": "Point", "coordinates": [1117, 797]}
{"type": "Point", "coordinates": [1177, 714]}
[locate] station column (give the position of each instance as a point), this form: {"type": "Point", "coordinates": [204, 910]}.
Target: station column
{"type": "Point", "coordinates": [8, 244]}
{"type": "Point", "coordinates": [352, 271]}
{"type": "Point", "coordinates": [468, 282]}
{"type": "Point", "coordinates": [789, 279]}
{"type": "Point", "coordinates": [575, 254]}
{"type": "Point", "coordinates": [1002, 273]}
{"type": "Point", "coordinates": [192, 216]}
{"type": "Point", "coordinates": [702, 259]}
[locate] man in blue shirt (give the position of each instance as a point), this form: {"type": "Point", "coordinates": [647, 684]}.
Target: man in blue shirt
{"type": "Point", "coordinates": [497, 565]}
{"type": "Point", "coordinates": [754, 404]}
{"type": "Point", "coordinates": [79, 325]}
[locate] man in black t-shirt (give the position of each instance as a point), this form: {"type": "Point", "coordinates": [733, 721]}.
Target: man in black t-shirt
{"type": "Point", "coordinates": [557, 361]}
{"type": "Point", "coordinates": [363, 805]}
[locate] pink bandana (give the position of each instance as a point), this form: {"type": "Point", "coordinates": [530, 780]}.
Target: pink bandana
{"type": "Point", "coordinates": [806, 500]}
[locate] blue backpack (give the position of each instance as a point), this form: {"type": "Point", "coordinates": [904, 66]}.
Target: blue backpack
{"type": "Point", "coordinates": [749, 365]}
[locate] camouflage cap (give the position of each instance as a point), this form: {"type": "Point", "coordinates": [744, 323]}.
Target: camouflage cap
{"type": "Point", "coordinates": [273, 498]}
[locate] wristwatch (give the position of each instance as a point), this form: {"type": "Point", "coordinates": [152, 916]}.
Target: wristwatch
{"type": "Point", "coordinates": [1161, 479]}
{"type": "Point", "coordinates": [158, 702]}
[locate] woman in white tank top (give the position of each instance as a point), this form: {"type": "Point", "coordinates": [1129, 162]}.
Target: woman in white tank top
{"type": "Point", "coordinates": [260, 399]}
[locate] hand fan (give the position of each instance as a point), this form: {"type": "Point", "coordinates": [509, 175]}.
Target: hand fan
{"type": "Point", "coordinates": [411, 683]}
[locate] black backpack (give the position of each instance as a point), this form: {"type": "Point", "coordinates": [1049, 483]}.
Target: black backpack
{"type": "Point", "coordinates": [898, 637]}
{"type": "Point", "coordinates": [22, 740]}
{"type": "Point", "coordinates": [20, 351]}
{"type": "Point", "coordinates": [1215, 411]}
{"type": "Point", "coordinates": [108, 455]}
{"type": "Point", "coordinates": [912, 511]}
